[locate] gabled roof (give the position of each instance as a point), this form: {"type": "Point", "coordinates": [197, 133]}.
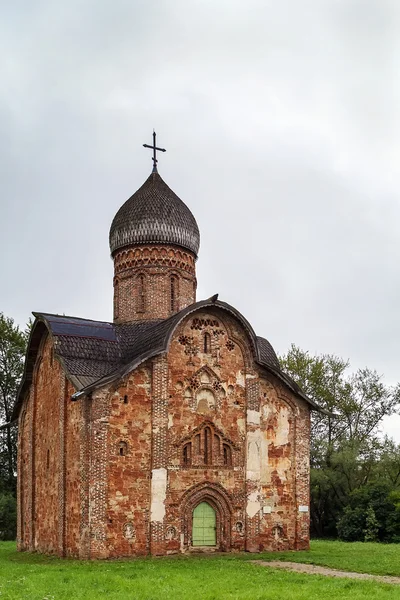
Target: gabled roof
{"type": "Point", "coordinates": [96, 353]}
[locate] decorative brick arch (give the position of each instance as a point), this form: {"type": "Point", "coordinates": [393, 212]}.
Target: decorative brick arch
{"type": "Point", "coordinates": [217, 497]}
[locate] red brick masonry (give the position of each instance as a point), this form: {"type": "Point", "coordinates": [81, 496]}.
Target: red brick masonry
{"type": "Point", "coordinates": [119, 473]}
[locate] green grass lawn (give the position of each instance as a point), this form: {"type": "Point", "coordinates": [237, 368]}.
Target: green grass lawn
{"type": "Point", "coordinates": [36, 577]}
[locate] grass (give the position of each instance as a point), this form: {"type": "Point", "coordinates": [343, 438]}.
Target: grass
{"type": "Point", "coordinates": [26, 576]}
{"type": "Point", "coordinates": [378, 559]}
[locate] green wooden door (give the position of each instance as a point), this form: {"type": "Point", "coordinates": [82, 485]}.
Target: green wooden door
{"type": "Point", "coordinates": [204, 533]}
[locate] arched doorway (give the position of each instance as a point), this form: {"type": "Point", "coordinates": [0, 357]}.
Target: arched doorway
{"type": "Point", "coordinates": [217, 500]}
{"type": "Point", "coordinates": [204, 525]}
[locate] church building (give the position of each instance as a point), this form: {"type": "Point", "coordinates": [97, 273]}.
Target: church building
{"type": "Point", "coordinates": [171, 429]}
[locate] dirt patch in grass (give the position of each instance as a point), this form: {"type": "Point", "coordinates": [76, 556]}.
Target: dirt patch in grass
{"type": "Point", "coordinates": [317, 570]}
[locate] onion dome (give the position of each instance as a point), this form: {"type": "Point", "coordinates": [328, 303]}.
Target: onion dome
{"type": "Point", "coordinates": [154, 215]}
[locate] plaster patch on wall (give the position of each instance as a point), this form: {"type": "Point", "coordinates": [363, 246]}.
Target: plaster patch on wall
{"type": "Point", "coordinates": [282, 431]}
{"type": "Point", "coordinates": [253, 416]}
{"type": "Point", "coordinates": [158, 493]}
{"type": "Point", "coordinates": [170, 420]}
{"type": "Point", "coordinates": [253, 455]}
{"type": "Point", "coordinates": [265, 474]}
{"type": "Point", "coordinates": [240, 379]}
{"type": "Point", "coordinates": [253, 504]}
{"type": "Point", "coordinates": [241, 425]}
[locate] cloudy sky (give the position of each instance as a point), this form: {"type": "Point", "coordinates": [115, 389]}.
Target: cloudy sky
{"type": "Point", "coordinates": [282, 127]}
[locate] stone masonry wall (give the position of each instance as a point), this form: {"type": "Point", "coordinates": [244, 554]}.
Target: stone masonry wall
{"type": "Point", "coordinates": [39, 456]}
{"type": "Point", "coordinates": [72, 473]}
{"type": "Point", "coordinates": [120, 473]}
{"type": "Point", "coordinates": [48, 461]}
{"type": "Point", "coordinates": [222, 431]}
{"type": "Point", "coordinates": [207, 415]}
{"type": "Point", "coordinates": [142, 282]}
{"type": "Point", "coordinates": [125, 469]}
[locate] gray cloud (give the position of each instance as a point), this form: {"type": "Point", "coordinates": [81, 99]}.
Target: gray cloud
{"type": "Point", "coordinates": [282, 126]}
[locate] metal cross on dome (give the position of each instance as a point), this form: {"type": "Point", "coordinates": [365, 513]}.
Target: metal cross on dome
{"type": "Point", "coordinates": [154, 147]}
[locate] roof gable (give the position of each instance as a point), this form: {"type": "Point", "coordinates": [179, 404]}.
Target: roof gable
{"type": "Point", "coordinates": [96, 353]}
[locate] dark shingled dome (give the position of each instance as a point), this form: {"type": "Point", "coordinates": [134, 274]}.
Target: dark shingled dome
{"type": "Point", "coordinates": [154, 215]}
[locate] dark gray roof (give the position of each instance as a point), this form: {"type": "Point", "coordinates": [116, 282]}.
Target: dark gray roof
{"type": "Point", "coordinates": [267, 353]}
{"type": "Point", "coordinates": [154, 215]}
{"type": "Point", "coordinates": [95, 353]}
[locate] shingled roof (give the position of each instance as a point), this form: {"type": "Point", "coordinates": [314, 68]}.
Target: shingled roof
{"type": "Point", "coordinates": [154, 215]}
{"type": "Point", "coordinates": [95, 353]}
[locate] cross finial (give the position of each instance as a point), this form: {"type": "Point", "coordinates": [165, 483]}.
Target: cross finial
{"type": "Point", "coordinates": [154, 147]}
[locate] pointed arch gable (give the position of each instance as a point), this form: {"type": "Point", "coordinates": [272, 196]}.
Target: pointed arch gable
{"type": "Point", "coordinates": [157, 338]}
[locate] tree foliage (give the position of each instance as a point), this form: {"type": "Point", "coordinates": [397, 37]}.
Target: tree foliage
{"type": "Point", "coordinates": [12, 351]}
{"type": "Point", "coordinates": [348, 453]}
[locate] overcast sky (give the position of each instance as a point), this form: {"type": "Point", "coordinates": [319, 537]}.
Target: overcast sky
{"type": "Point", "coordinates": [282, 127]}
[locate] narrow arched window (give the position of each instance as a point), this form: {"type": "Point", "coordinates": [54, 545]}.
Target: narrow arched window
{"type": "Point", "coordinates": [141, 297]}
{"type": "Point", "coordinates": [207, 343]}
{"type": "Point", "coordinates": [48, 459]}
{"type": "Point", "coordinates": [173, 282]}
{"type": "Point", "coordinates": [207, 446]}
{"type": "Point", "coordinates": [187, 454]}
{"type": "Point", "coordinates": [116, 299]}
{"type": "Point", "coordinates": [122, 448]}
{"type": "Point", "coordinates": [227, 455]}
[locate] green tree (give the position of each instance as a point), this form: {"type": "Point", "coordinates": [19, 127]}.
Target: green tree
{"type": "Point", "coordinates": [345, 445]}
{"type": "Point", "coordinates": [12, 351]}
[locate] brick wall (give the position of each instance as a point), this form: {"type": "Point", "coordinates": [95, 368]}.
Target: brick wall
{"type": "Point", "coordinates": [128, 464]}
{"type": "Point", "coordinates": [120, 473]}
{"type": "Point", "coordinates": [255, 472]}
{"type": "Point", "coordinates": [143, 289]}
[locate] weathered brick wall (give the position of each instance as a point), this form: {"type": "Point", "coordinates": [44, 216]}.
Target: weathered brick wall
{"type": "Point", "coordinates": [278, 414]}
{"type": "Point", "coordinates": [48, 461]}
{"type": "Point", "coordinates": [207, 390]}
{"type": "Point", "coordinates": [124, 425]}
{"type": "Point", "coordinates": [72, 475]}
{"type": "Point", "coordinates": [120, 473]}
{"type": "Point", "coordinates": [253, 469]}
{"type": "Point", "coordinates": [142, 282]}
{"type": "Point", "coordinates": [45, 445]}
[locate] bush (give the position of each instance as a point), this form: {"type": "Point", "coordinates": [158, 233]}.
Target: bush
{"type": "Point", "coordinates": [371, 526]}
{"type": "Point", "coordinates": [351, 524]}
{"type": "Point", "coordinates": [8, 517]}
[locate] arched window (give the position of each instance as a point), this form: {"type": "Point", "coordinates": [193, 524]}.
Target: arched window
{"type": "Point", "coordinates": [173, 282]}
{"type": "Point", "coordinates": [207, 446]}
{"type": "Point", "coordinates": [187, 454]}
{"type": "Point", "coordinates": [141, 294]}
{"type": "Point", "coordinates": [207, 343]}
{"type": "Point", "coordinates": [116, 299]}
{"type": "Point", "coordinates": [48, 459]}
{"type": "Point", "coordinates": [227, 455]}
{"type": "Point", "coordinates": [122, 448]}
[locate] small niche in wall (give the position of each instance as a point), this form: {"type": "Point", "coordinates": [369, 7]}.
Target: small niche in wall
{"type": "Point", "coordinates": [124, 399]}
{"type": "Point", "coordinates": [122, 448]}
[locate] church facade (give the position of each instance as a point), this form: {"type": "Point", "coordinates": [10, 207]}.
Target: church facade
{"type": "Point", "coordinates": [171, 429]}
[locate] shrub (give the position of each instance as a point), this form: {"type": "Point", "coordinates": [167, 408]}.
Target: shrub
{"type": "Point", "coordinates": [371, 526]}
{"type": "Point", "coordinates": [351, 524]}
{"type": "Point", "coordinates": [8, 517]}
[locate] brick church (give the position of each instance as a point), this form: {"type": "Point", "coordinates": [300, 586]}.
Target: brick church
{"type": "Point", "coordinates": [171, 429]}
